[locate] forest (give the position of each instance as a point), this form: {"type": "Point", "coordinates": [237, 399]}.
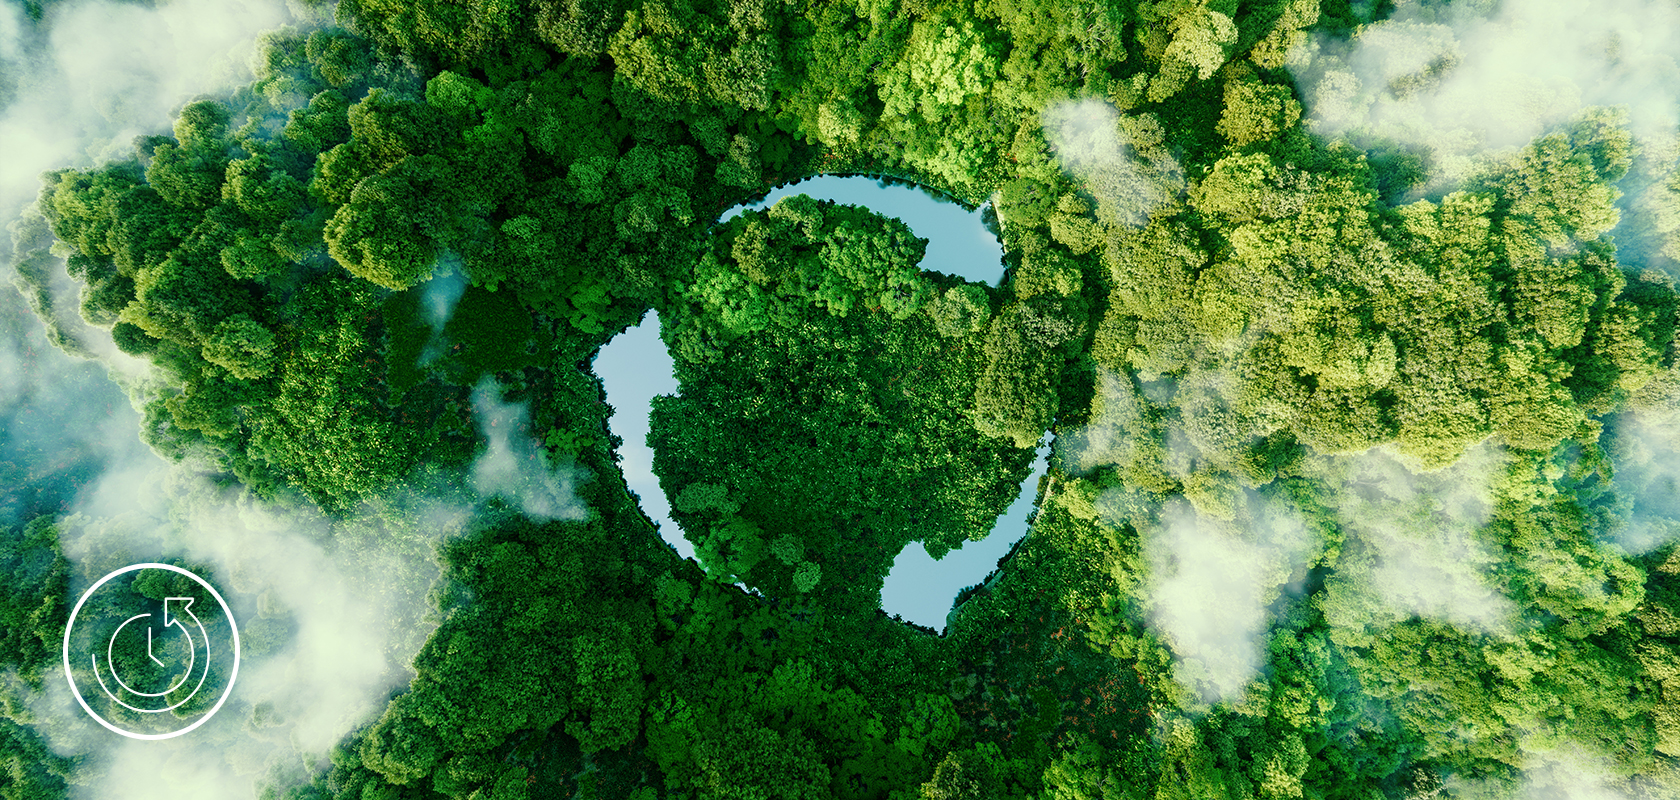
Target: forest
{"type": "Point", "coordinates": [1360, 490]}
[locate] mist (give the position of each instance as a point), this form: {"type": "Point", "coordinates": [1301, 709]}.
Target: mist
{"type": "Point", "coordinates": [94, 75]}
{"type": "Point", "coordinates": [1413, 545]}
{"type": "Point", "coordinates": [437, 304]}
{"type": "Point", "coordinates": [442, 292]}
{"type": "Point", "coordinates": [75, 89]}
{"type": "Point", "coordinates": [1644, 449]}
{"type": "Point", "coordinates": [1130, 177]}
{"type": "Point", "coordinates": [1471, 78]}
{"type": "Point", "coordinates": [1219, 556]}
{"type": "Point", "coordinates": [1551, 773]}
{"type": "Point", "coordinates": [49, 446]}
{"type": "Point", "coordinates": [516, 466]}
{"type": "Point", "coordinates": [1469, 83]}
{"type": "Point", "coordinates": [331, 612]}
{"type": "Point", "coordinates": [1110, 438]}
{"type": "Point", "coordinates": [1211, 584]}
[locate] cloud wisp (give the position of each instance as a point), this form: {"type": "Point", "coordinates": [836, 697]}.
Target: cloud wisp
{"type": "Point", "coordinates": [331, 612]}
{"type": "Point", "coordinates": [437, 304]}
{"type": "Point", "coordinates": [1552, 772]}
{"type": "Point", "coordinates": [1131, 177]}
{"type": "Point", "coordinates": [93, 75]}
{"type": "Point", "coordinates": [76, 87]}
{"type": "Point", "coordinates": [1212, 583]}
{"type": "Point", "coordinates": [1645, 455]}
{"type": "Point", "coordinates": [1112, 436]}
{"type": "Point", "coordinates": [516, 466]}
{"type": "Point", "coordinates": [1472, 81]}
{"type": "Point", "coordinates": [1414, 549]}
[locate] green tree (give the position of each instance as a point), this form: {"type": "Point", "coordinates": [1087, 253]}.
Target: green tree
{"type": "Point", "coordinates": [38, 580]}
{"type": "Point", "coordinates": [241, 346]}
{"type": "Point", "coordinates": [1257, 112]}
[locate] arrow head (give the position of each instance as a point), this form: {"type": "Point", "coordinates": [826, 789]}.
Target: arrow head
{"type": "Point", "coordinates": [185, 605]}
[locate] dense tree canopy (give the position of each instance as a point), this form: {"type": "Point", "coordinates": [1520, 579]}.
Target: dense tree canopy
{"type": "Point", "coordinates": [1377, 440]}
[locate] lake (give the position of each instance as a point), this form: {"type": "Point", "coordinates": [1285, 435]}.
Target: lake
{"type": "Point", "coordinates": [635, 367]}
{"type": "Point", "coordinates": [958, 244]}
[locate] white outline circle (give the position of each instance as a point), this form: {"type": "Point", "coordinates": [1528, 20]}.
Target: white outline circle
{"type": "Point", "coordinates": [70, 678]}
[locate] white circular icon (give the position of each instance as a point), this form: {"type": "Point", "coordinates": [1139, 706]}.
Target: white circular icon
{"type": "Point", "coordinates": [178, 630]}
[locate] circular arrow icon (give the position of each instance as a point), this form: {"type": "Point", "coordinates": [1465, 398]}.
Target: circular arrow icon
{"type": "Point", "coordinates": [192, 658]}
{"type": "Point", "coordinates": [180, 638]}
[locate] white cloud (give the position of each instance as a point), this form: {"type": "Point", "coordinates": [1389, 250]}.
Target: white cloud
{"type": "Point", "coordinates": [345, 602]}
{"type": "Point", "coordinates": [1569, 773]}
{"type": "Point", "coordinates": [11, 40]}
{"type": "Point", "coordinates": [1109, 439]}
{"type": "Point", "coordinates": [331, 613]}
{"type": "Point", "coordinates": [1211, 583]}
{"type": "Point", "coordinates": [1468, 84]}
{"type": "Point", "coordinates": [1129, 182]}
{"type": "Point", "coordinates": [77, 87]}
{"type": "Point", "coordinates": [442, 292]}
{"type": "Point", "coordinates": [342, 604]}
{"type": "Point", "coordinates": [1645, 456]}
{"type": "Point", "coordinates": [1422, 528]}
{"type": "Point", "coordinates": [516, 466]}
{"type": "Point", "coordinates": [437, 303]}
{"type": "Point", "coordinates": [111, 71]}
{"type": "Point", "coordinates": [1552, 772]}
{"type": "Point", "coordinates": [53, 404]}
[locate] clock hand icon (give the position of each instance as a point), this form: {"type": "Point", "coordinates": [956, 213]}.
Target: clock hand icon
{"type": "Point", "coordinates": [192, 658]}
{"type": "Point", "coordinates": [177, 649]}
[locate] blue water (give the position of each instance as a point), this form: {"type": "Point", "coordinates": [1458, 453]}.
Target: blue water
{"type": "Point", "coordinates": [958, 244]}
{"type": "Point", "coordinates": [920, 589]}
{"type": "Point", "coordinates": [635, 366]}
